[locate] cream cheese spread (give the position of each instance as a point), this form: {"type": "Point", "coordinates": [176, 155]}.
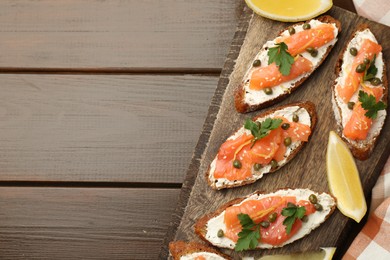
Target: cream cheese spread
{"type": "Point", "coordinates": [314, 220]}
{"type": "Point", "coordinates": [254, 97]}
{"type": "Point", "coordinates": [288, 112]}
{"type": "Point", "coordinates": [346, 113]}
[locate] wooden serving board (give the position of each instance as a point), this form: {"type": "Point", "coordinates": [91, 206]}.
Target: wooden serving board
{"type": "Point", "coordinates": [306, 170]}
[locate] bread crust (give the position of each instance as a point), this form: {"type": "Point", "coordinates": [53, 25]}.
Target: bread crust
{"type": "Point", "coordinates": [201, 224]}
{"type": "Point", "coordinates": [310, 108]}
{"type": "Point", "coordinates": [181, 248]}
{"type": "Point", "coordinates": [239, 94]}
{"type": "Point", "coordinates": [364, 152]}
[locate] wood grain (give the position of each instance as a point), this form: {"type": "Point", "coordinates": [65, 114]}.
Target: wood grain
{"type": "Point", "coordinates": [308, 169]}
{"type": "Point", "coordinates": [133, 35]}
{"type": "Point", "coordinates": [345, 4]}
{"type": "Point", "coordinates": [116, 35]}
{"type": "Point", "coordinates": [101, 128]}
{"type": "Point", "coordinates": [83, 223]}
{"type": "Point", "coordinates": [118, 128]}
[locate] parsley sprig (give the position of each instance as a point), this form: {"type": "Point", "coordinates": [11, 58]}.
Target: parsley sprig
{"type": "Point", "coordinates": [281, 57]}
{"type": "Point", "coordinates": [263, 130]}
{"type": "Point", "coordinates": [370, 105]}
{"type": "Point", "coordinates": [249, 236]}
{"type": "Point", "coordinates": [292, 212]}
{"type": "Point", "coordinates": [372, 70]}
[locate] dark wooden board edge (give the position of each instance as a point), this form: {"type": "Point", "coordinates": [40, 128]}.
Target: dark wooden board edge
{"type": "Point", "coordinates": [345, 239]}
{"type": "Point", "coordinates": [208, 126]}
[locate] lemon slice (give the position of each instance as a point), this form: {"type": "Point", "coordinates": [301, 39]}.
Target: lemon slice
{"type": "Point", "coordinates": [326, 253]}
{"type": "Point", "coordinates": [289, 10]}
{"type": "Point", "coordinates": [344, 180]}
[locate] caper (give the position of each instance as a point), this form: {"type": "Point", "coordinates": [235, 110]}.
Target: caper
{"type": "Point", "coordinates": [376, 81]}
{"type": "Point", "coordinates": [291, 30]}
{"type": "Point", "coordinates": [257, 166]}
{"type": "Point", "coordinates": [318, 207]}
{"type": "Point", "coordinates": [295, 118]}
{"type": "Point", "coordinates": [351, 105]}
{"type": "Point", "coordinates": [305, 218]}
{"type": "Point", "coordinates": [237, 164]}
{"type": "Point", "coordinates": [310, 49]}
{"type": "Point", "coordinates": [272, 217]}
{"type": "Point", "coordinates": [274, 164]}
{"type": "Point", "coordinates": [287, 141]}
{"type": "Point", "coordinates": [313, 199]}
{"type": "Point", "coordinates": [306, 26]}
{"type": "Point", "coordinates": [264, 224]}
{"type": "Point", "coordinates": [256, 63]}
{"type": "Point", "coordinates": [353, 51]}
{"type": "Point", "coordinates": [290, 205]}
{"type": "Point", "coordinates": [360, 68]}
{"type": "Point", "coordinates": [366, 61]}
{"type": "Point", "coordinates": [314, 53]}
{"type": "Point", "coordinates": [285, 126]}
{"type": "Point", "coordinates": [268, 91]}
{"type": "Point", "coordinates": [220, 233]}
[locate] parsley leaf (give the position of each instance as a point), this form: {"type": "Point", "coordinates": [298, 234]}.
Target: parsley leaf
{"type": "Point", "coordinates": [371, 71]}
{"type": "Point", "coordinates": [263, 130]}
{"type": "Point", "coordinates": [249, 236]}
{"type": "Point", "coordinates": [301, 212]}
{"type": "Point", "coordinates": [246, 221]}
{"type": "Point", "coordinates": [370, 105]}
{"type": "Point", "coordinates": [252, 126]}
{"type": "Point", "coordinates": [292, 212]}
{"type": "Point", "coordinates": [281, 57]}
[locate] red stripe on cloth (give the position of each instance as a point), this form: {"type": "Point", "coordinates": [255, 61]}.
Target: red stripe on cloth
{"type": "Point", "coordinates": [375, 229]}
{"type": "Point", "coordinates": [358, 246]}
{"type": "Point", "coordinates": [372, 227]}
{"type": "Point", "coordinates": [383, 236]}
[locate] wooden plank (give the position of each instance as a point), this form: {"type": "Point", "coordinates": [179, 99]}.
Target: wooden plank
{"type": "Point", "coordinates": [134, 35]}
{"type": "Point", "coordinates": [117, 128]}
{"type": "Point", "coordinates": [83, 223]}
{"type": "Point", "coordinates": [306, 170]}
{"type": "Point", "coordinates": [345, 4]}
{"type": "Point", "coordinates": [116, 35]}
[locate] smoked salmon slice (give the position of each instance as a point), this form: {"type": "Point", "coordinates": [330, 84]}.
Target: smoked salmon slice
{"type": "Point", "coordinates": [262, 145]}
{"type": "Point", "coordinates": [314, 38]}
{"type": "Point", "coordinates": [297, 131]}
{"type": "Point", "coordinates": [285, 62]}
{"type": "Point", "coordinates": [266, 217]}
{"type": "Point", "coordinates": [270, 75]}
{"type": "Point", "coordinates": [262, 152]}
{"type": "Point", "coordinates": [259, 210]}
{"type": "Point", "coordinates": [358, 125]}
{"type": "Point", "coordinates": [369, 49]}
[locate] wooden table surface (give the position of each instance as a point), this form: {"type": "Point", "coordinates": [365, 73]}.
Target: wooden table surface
{"type": "Point", "coordinates": [101, 106]}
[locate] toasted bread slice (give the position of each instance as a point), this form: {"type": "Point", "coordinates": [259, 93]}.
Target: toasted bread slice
{"type": "Point", "coordinates": [307, 116]}
{"type": "Point", "coordinates": [361, 149]}
{"type": "Point", "coordinates": [208, 226]}
{"type": "Point", "coordinates": [247, 99]}
{"type": "Point", "coordinates": [192, 250]}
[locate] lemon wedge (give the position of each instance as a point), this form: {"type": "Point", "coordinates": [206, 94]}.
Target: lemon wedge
{"type": "Point", "coordinates": [326, 253]}
{"type": "Point", "coordinates": [344, 180]}
{"type": "Point", "coordinates": [289, 10]}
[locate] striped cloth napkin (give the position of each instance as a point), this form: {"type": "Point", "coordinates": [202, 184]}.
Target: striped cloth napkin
{"type": "Point", "coordinates": [373, 242]}
{"type": "Point", "coordinates": [375, 10]}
